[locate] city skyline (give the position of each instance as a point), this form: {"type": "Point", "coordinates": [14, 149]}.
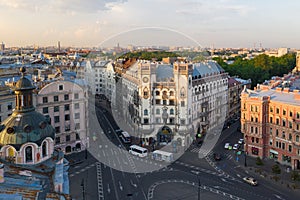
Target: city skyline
{"type": "Point", "coordinates": [218, 23]}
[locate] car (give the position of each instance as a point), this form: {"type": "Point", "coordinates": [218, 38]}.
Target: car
{"type": "Point", "coordinates": [241, 141]}
{"type": "Point", "coordinates": [217, 156]}
{"type": "Point", "coordinates": [250, 180]}
{"type": "Point", "coordinates": [236, 146]}
{"type": "Point", "coordinates": [227, 145]}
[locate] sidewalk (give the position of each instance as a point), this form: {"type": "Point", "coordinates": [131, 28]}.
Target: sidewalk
{"type": "Point", "coordinates": [265, 171]}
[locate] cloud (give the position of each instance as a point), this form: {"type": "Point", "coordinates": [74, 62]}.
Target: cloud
{"type": "Point", "coordinates": [65, 6]}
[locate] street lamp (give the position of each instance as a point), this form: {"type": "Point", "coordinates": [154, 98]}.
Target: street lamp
{"type": "Point", "coordinates": [83, 189]}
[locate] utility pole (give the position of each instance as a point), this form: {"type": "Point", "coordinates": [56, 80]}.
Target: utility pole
{"type": "Point", "coordinates": [199, 185]}
{"type": "Point", "coordinates": [83, 189]}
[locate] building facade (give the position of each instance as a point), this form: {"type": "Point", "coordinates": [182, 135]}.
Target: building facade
{"type": "Point", "coordinates": [165, 101]}
{"type": "Point", "coordinates": [65, 104]}
{"type": "Point", "coordinates": [7, 102]}
{"type": "Point", "coordinates": [30, 167]}
{"type": "Point", "coordinates": [270, 121]}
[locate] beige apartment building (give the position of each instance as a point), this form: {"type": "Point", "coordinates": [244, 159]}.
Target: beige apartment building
{"type": "Point", "coordinates": [270, 121]}
{"type": "Point", "coordinates": [65, 103]}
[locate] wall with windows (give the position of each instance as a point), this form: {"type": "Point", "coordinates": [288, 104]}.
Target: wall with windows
{"type": "Point", "coordinates": [65, 103]}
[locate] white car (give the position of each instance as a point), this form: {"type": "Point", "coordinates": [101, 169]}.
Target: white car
{"type": "Point", "coordinates": [227, 145]}
{"type": "Point", "coordinates": [250, 180]}
{"type": "Point", "coordinates": [236, 146]}
{"type": "Point", "coordinates": [241, 141]}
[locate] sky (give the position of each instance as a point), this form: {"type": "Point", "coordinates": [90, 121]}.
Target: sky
{"type": "Point", "coordinates": [105, 23]}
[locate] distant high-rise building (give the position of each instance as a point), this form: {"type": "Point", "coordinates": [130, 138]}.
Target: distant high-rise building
{"type": "Point", "coordinates": [58, 45]}
{"type": "Point", "coordinates": [2, 46]}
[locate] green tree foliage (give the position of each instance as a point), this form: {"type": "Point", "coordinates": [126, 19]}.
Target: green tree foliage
{"type": "Point", "coordinates": [260, 68]}
{"type": "Point", "coordinates": [149, 55]}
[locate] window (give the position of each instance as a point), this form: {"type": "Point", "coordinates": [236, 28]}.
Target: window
{"type": "Point", "coordinates": [56, 119]}
{"type": "Point", "coordinates": [44, 149]}
{"type": "Point", "coordinates": [277, 132]}
{"type": "Point", "coordinates": [182, 103]}
{"type": "Point", "coordinates": [271, 109]}
{"type": "Point", "coordinates": [57, 129]}
{"type": "Point", "coordinates": [297, 138]}
{"type": "Point", "coordinates": [157, 111]}
{"type": "Point", "coordinates": [251, 129]}
{"type": "Point", "coordinates": [45, 99]}
{"type": "Point", "coordinates": [60, 87]}
{"type": "Point", "coordinates": [76, 105]}
{"type": "Point", "coordinates": [284, 112]}
{"type": "Point", "coordinates": [157, 101]}
{"type": "Point", "coordinates": [290, 137]}
{"type": "Point", "coordinates": [283, 135]}
{"type": "Point", "coordinates": [283, 146]}
{"type": "Point", "coordinates": [77, 126]}
{"type": "Point", "coordinates": [67, 127]}
{"type": "Point", "coordinates": [76, 96]}
{"type": "Point", "coordinates": [256, 130]}
{"type": "Point", "coordinates": [171, 102]}
{"type": "Point", "coordinates": [171, 111]}
{"type": "Point", "coordinates": [57, 140]}
{"type": "Point", "coordinates": [271, 119]}
{"type": "Point", "coordinates": [291, 114]}
{"type": "Point", "coordinates": [277, 121]}
{"type": "Point", "coordinates": [182, 122]}
{"type": "Point", "coordinates": [45, 110]}
{"type": "Point", "coordinates": [77, 136]}
{"type": "Point", "coordinates": [28, 154]}
{"type": "Point", "coordinates": [157, 93]}
{"type": "Point", "coordinates": [77, 116]}
{"type": "Point", "coordinates": [66, 97]}
{"type": "Point", "coordinates": [298, 115]}
{"type": "Point", "coordinates": [157, 119]}
{"type": "Point", "coordinates": [171, 93]}
{"type": "Point", "coordinates": [257, 140]}
{"type": "Point", "coordinates": [67, 117]}
{"type": "Point", "coordinates": [290, 124]}
{"type": "Point", "coordinates": [271, 131]}
{"type": "Point", "coordinates": [171, 120]}
{"type": "Point", "coordinates": [145, 112]}
{"type": "Point", "coordinates": [283, 122]}
{"type": "Point", "coordinates": [56, 108]}
{"type": "Point", "coordinates": [55, 98]}
{"type": "Point", "coordinates": [277, 110]}
{"type": "Point", "coordinates": [146, 121]}
{"type": "Point", "coordinates": [67, 107]}
{"type": "Point", "coordinates": [68, 138]}
{"type": "Point", "coordinates": [290, 148]}
{"type": "Point", "coordinates": [164, 102]}
{"type": "Point", "coordinates": [9, 106]}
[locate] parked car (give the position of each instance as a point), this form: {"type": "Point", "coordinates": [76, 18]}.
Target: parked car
{"type": "Point", "coordinates": [227, 145]}
{"type": "Point", "coordinates": [236, 146]}
{"type": "Point", "coordinates": [241, 141]}
{"type": "Point", "coordinates": [250, 180]}
{"type": "Point", "coordinates": [217, 156]}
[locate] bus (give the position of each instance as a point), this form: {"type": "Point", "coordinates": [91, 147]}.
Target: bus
{"type": "Point", "coordinates": [125, 137]}
{"type": "Point", "coordinates": [162, 156]}
{"type": "Point", "coordinates": [138, 151]}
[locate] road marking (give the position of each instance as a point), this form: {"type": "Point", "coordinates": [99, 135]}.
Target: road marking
{"type": "Point", "coordinates": [239, 175]}
{"type": "Point", "coordinates": [120, 186]}
{"type": "Point", "coordinates": [99, 179]}
{"type": "Point", "coordinates": [278, 197]}
{"type": "Point", "coordinates": [108, 188]}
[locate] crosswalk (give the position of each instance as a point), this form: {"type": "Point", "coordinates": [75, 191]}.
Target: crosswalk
{"type": "Point", "coordinates": [198, 150]}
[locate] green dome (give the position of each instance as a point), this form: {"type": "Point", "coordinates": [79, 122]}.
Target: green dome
{"type": "Point", "coordinates": [19, 129]}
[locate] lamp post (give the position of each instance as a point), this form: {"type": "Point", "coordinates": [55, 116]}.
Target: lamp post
{"type": "Point", "coordinates": [83, 189]}
{"type": "Point", "coordinates": [245, 151]}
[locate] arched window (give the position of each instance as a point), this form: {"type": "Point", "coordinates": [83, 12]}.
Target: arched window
{"type": "Point", "coordinates": [171, 111]}
{"type": "Point", "coordinates": [44, 149]}
{"type": "Point", "coordinates": [157, 111]}
{"type": "Point", "coordinates": [157, 93]}
{"type": "Point", "coordinates": [10, 152]}
{"type": "Point", "coordinates": [28, 154]}
{"type": "Point", "coordinates": [182, 92]}
{"type": "Point", "coordinates": [145, 112]}
{"type": "Point", "coordinates": [297, 138]}
{"type": "Point", "coordinates": [171, 93]}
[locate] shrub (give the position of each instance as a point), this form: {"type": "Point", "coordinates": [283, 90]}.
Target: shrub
{"type": "Point", "coordinates": [295, 176]}
{"type": "Point", "coordinates": [259, 161]}
{"type": "Point", "coordinates": [276, 169]}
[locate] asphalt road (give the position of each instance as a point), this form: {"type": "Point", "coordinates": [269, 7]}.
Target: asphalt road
{"type": "Point", "coordinates": [98, 178]}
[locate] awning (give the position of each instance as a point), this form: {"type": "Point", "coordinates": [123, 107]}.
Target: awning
{"type": "Point", "coordinates": [273, 151]}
